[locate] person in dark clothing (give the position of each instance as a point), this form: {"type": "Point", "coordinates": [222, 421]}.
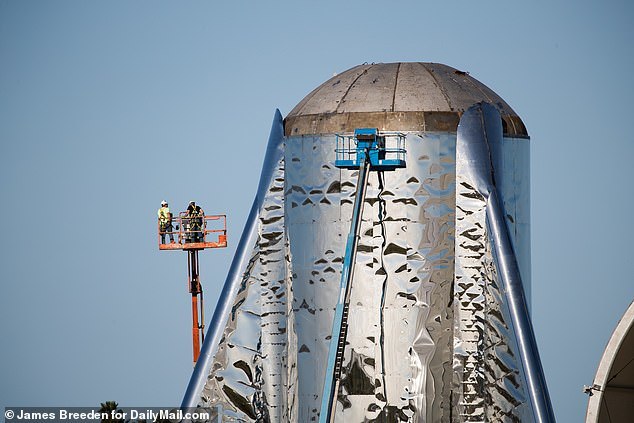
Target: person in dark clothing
{"type": "Point", "coordinates": [195, 216]}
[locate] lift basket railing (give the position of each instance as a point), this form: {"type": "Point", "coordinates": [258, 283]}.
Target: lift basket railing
{"type": "Point", "coordinates": [391, 146]}
{"type": "Point", "coordinates": [185, 229]}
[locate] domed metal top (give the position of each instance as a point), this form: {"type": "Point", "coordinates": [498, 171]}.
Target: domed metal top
{"type": "Point", "coordinates": [395, 97]}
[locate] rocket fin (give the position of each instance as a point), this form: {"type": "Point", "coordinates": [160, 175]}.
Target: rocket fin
{"type": "Point", "coordinates": [478, 145]}
{"type": "Point", "coordinates": [228, 309]}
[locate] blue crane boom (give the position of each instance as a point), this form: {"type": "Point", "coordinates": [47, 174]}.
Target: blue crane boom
{"type": "Point", "coordinates": [340, 321]}
{"type": "Point", "coordinates": [365, 151]}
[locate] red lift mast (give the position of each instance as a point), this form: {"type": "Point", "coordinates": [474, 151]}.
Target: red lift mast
{"type": "Point", "coordinates": [193, 235]}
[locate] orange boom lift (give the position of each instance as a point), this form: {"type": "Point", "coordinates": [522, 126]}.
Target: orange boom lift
{"type": "Point", "coordinates": [193, 236]}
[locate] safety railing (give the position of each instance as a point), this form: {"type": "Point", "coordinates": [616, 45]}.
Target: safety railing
{"type": "Point", "coordinates": [193, 232]}
{"type": "Point", "coordinates": [389, 146]}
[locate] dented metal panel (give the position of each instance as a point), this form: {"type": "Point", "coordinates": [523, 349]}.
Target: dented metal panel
{"type": "Point", "coordinates": [399, 329]}
{"type": "Point", "coordinates": [250, 364]}
{"type": "Point", "coordinates": [234, 307]}
{"type": "Point", "coordinates": [438, 326]}
{"type": "Point", "coordinates": [489, 382]}
{"type": "Point", "coordinates": [430, 337]}
{"type": "Point", "coordinates": [498, 374]}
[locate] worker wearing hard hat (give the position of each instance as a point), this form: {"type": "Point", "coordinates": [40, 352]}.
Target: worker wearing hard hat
{"type": "Point", "coordinates": [165, 222]}
{"type": "Point", "coordinates": [196, 228]}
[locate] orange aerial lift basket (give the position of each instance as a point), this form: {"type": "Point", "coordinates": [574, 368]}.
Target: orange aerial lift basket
{"type": "Point", "coordinates": [196, 233]}
{"type": "Point", "coordinates": [193, 234]}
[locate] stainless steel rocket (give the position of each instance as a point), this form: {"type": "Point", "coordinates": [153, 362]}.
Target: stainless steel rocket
{"type": "Point", "coordinates": [438, 327]}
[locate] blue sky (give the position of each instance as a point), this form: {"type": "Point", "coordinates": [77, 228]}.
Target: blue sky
{"type": "Point", "coordinates": [109, 107]}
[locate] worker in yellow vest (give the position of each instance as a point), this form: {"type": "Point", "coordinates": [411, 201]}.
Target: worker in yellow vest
{"type": "Point", "coordinates": [165, 222]}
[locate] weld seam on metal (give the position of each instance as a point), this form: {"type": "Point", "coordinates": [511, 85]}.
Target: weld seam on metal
{"type": "Point", "coordinates": [441, 88]}
{"type": "Point", "coordinates": [398, 70]}
{"type": "Point", "coordinates": [385, 278]}
{"type": "Point", "coordinates": [343, 98]}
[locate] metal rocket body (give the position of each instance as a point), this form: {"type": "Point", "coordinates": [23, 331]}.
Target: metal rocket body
{"type": "Point", "coordinates": [438, 326]}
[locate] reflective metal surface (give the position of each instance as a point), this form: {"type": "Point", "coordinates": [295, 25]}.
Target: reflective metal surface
{"type": "Point", "coordinates": [225, 314]}
{"type": "Point", "coordinates": [399, 327]}
{"type": "Point", "coordinates": [438, 326]}
{"type": "Point", "coordinates": [398, 361]}
{"type": "Point", "coordinates": [497, 357]}
{"type": "Point", "coordinates": [422, 347]}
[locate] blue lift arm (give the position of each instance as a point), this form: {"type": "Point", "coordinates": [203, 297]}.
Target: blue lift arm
{"type": "Point", "coordinates": [340, 321]}
{"type": "Point", "coordinates": [366, 151]}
